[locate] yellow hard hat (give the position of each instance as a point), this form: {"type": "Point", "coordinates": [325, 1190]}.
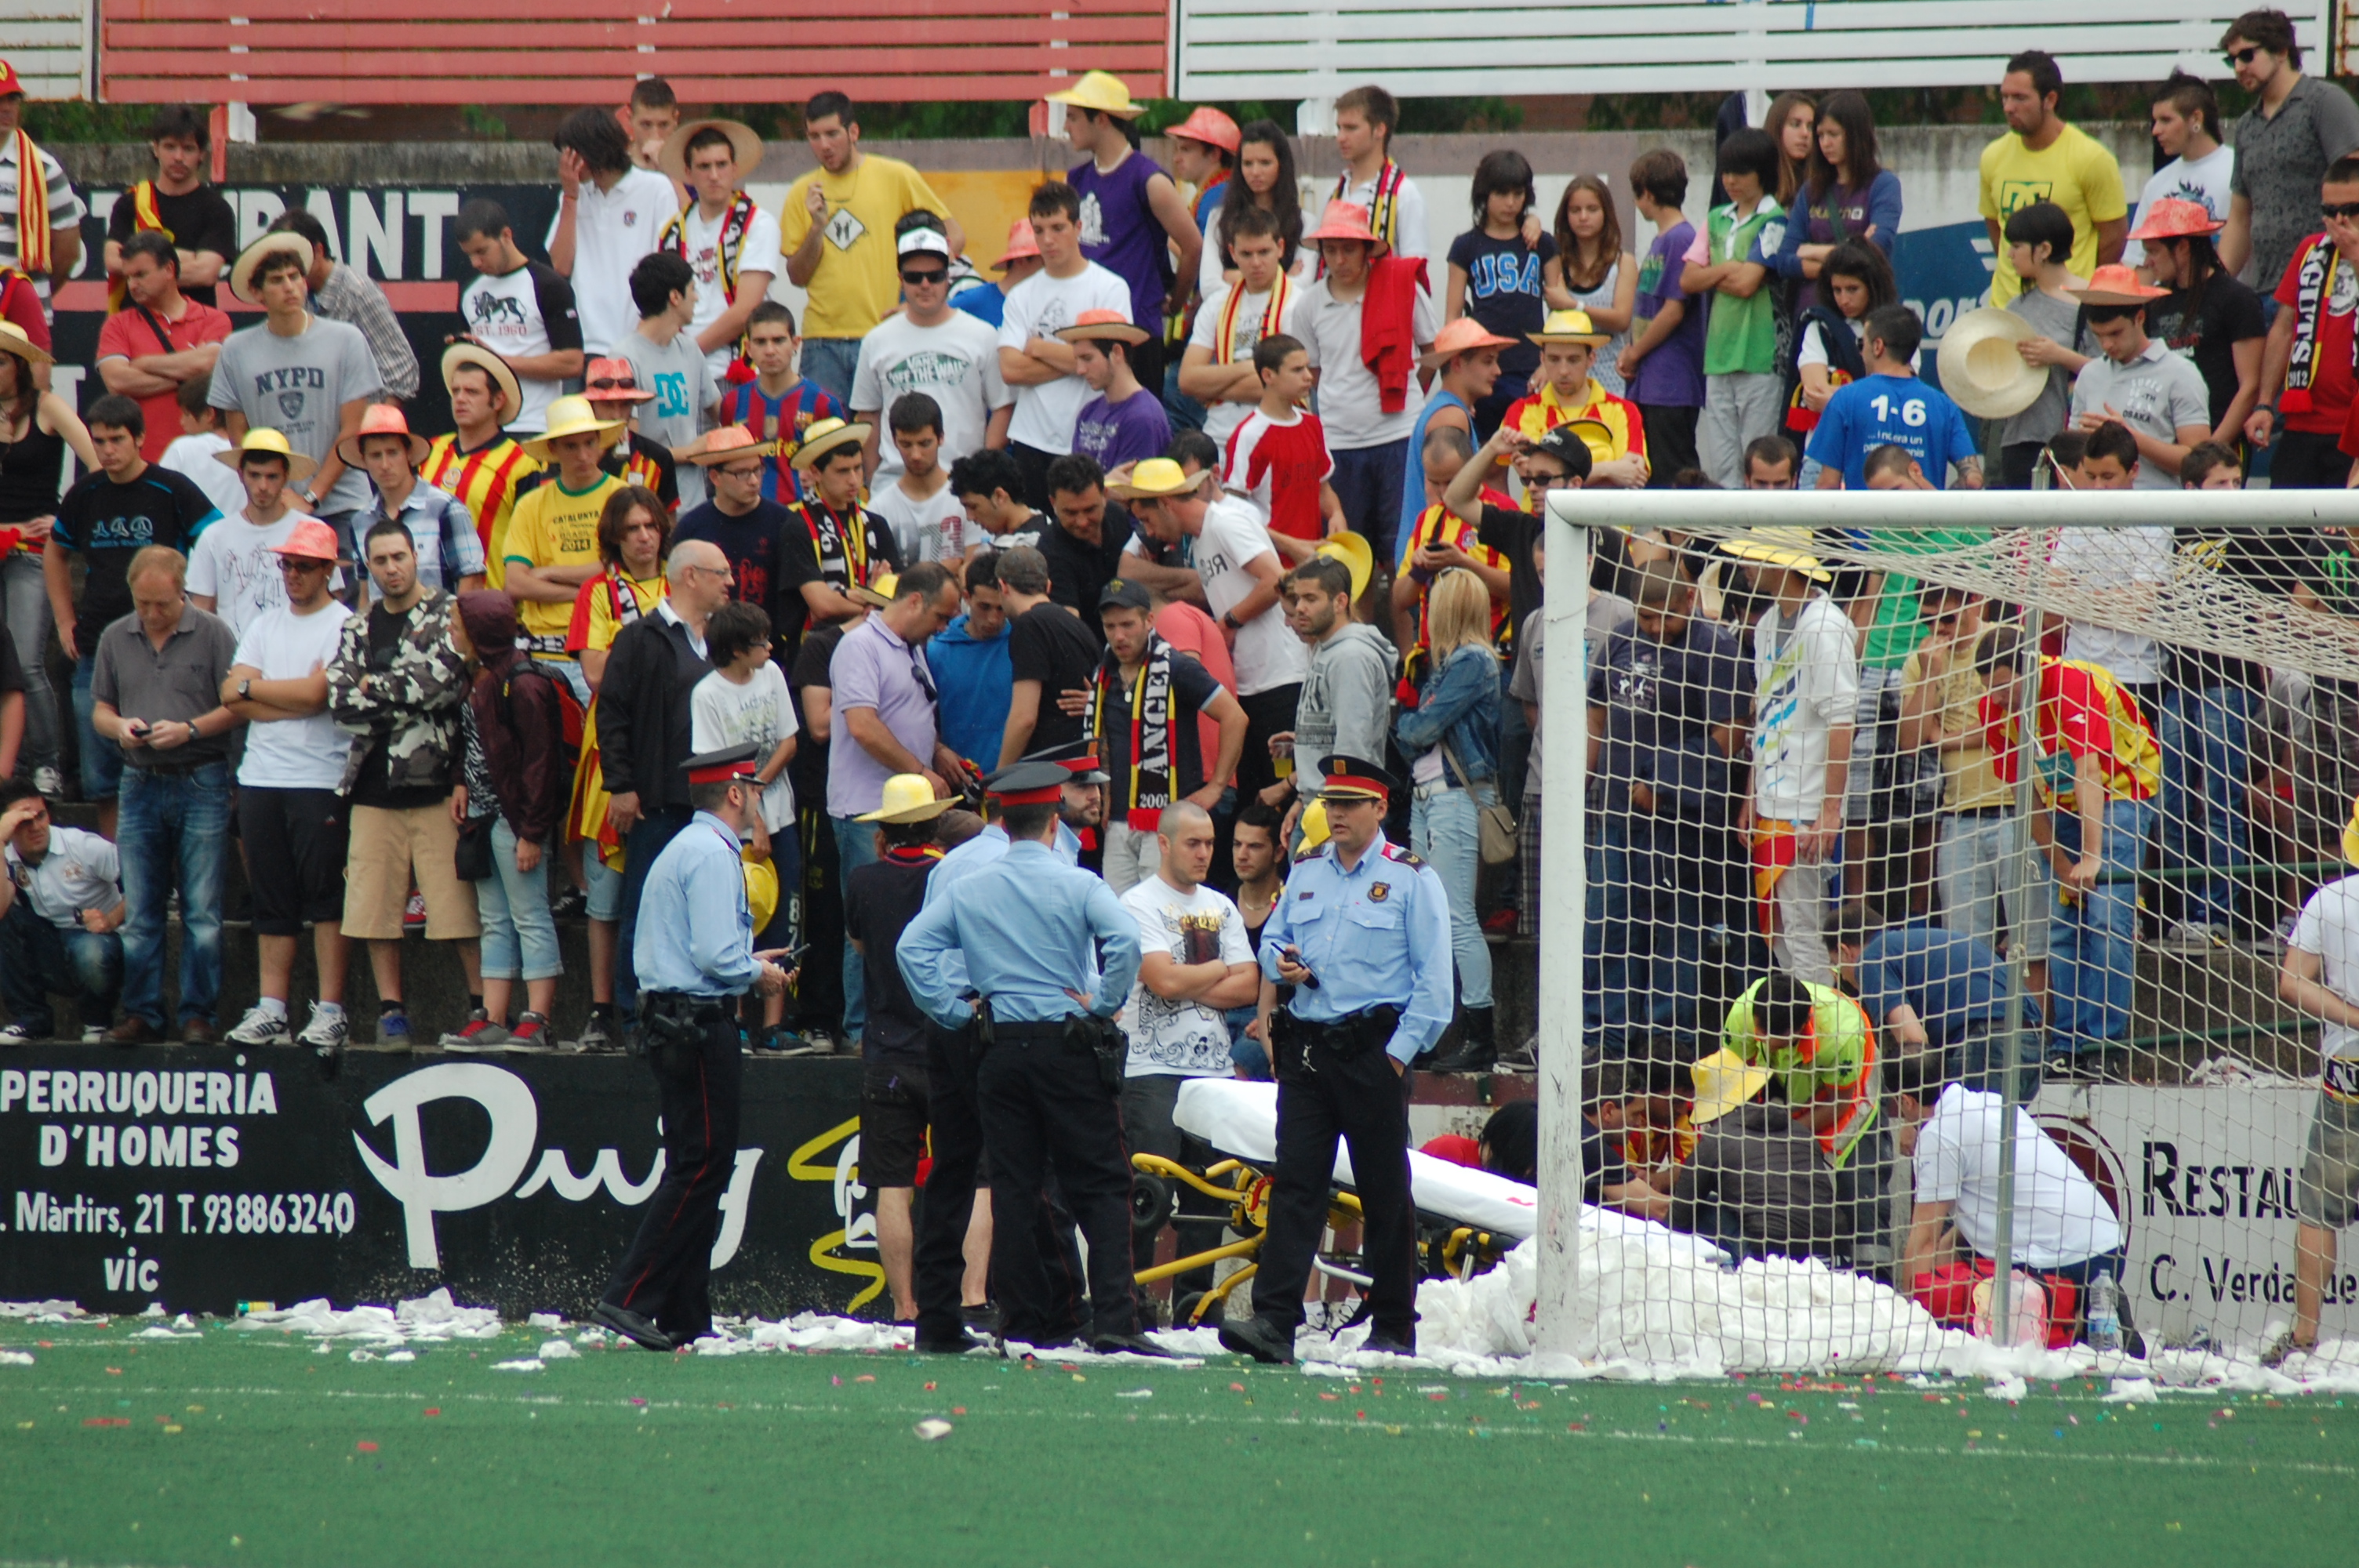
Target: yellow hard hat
{"type": "Point", "coordinates": [1724, 1081]}
{"type": "Point", "coordinates": [1353, 551]}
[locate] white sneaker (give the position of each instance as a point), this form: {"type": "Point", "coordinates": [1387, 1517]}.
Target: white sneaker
{"type": "Point", "coordinates": [93, 1033]}
{"type": "Point", "coordinates": [325, 1031]}
{"type": "Point", "coordinates": [2189, 936]}
{"type": "Point", "coordinates": [260, 1028]}
{"type": "Point", "coordinates": [20, 1035]}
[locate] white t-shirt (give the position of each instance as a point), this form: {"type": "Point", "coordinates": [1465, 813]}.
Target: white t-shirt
{"type": "Point", "coordinates": [612, 230]}
{"type": "Point", "coordinates": [80, 871]}
{"type": "Point", "coordinates": [2203, 180]}
{"type": "Point", "coordinates": [1804, 684]}
{"type": "Point", "coordinates": [527, 312]}
{"type": "Point", "coordinates": [1221, 418]}
{"type": "Point", "coordinates": [1041, 307]}
{"type": "Point", "coordinates": [293, 754]}
{"type": "Point", "coordinates": [2329, 926]}
{"type": "Point", "coordinates": [757, 251]}
{"type": "Point", "coordinates": [191, 457]}
{"type": "Point", "coordinates": [2061, 1218]}
{"type": "Point", "coordinates": [1180, 1039]}
{"type": "Point", "coordinates": [1350, 405]}
{"type": "Point", "coordinates": [1410, 235]}
{"type": "Point", "coordinates": [725, 713]}
{"type": "Point", "coordinates": [955, 362]}
{"type": "Point", "coordinates": [2106, 561]}
{"type": "Point", "coordinates": [935, 529]}
{"type": "Point", "coordinates": [232, 564]}
{"type": "Point", "coordinates": [1212, 275]}
{"type": "Point", "coordinates": [1267, 652]}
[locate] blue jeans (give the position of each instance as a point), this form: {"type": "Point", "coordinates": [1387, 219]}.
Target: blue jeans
{"type": "Point", "coordinates": [855, 845]}
{"type": "Point", "coordinates": [101, 760]}
{"type": "Point", "coordinates": [2092, 943]}
{"type": "Point", "coordinates": [831, 362]}
{"type": "Point", "coordinates": [1977, 1057]}
{"type": "Point", "coordinates": [173, 829]}
{"type": "Point", "coordinates": [1368, 481]}
{"type": "Point", "coordinates": [2203, 763]}
{"type": "Point", "coordinates": [640, 846]}
{"type": "Point", "coordinates": [519, 934]}
{"type": "Point", "coordinates": [37, 960]}
{"type": "Point", "coordinates": [1444, 829]}
{"type": "Point", "coordinates": [1185, 412]}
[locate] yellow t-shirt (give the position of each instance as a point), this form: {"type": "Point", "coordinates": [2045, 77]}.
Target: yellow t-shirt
{"type": "Point", "coordinates": [1969, 782]}
{"type": "Point", "coordinates": [859, 275]}
{"type": "Point", "coordinates": [2074, 171]}
{"type": "Point", "coordinates": [595, 625]}
{"type": "Point", "coordinates": [554, 526]}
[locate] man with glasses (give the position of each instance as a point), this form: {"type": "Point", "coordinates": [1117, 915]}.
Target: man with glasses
{"type": "Point", "coordinates": [2307, 384]}
{"type": "Point", "coordinates": [2297, 127]}
{"type": "Point", "coordinates": [947, 354]}
{"type": "Point", "coordinates": [750, 530]}
{"type": "Point", "coordinates": [1560, 459]}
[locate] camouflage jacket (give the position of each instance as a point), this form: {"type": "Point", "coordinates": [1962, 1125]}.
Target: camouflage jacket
{"type": "Point", "coordinates": [412, 708]}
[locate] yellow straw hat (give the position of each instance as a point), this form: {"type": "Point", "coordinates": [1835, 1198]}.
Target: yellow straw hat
{"type": "Point", "coordinates": [824, 437]}
{"type": "Point", "coordinates": [908, 798]}
{"type": "Point", "coordinates": [571, 416]}
{"type": "Point", "coordinates": [1104, 91]}
{"type": "Point", "coordinates": [1570, 327]}
{"type": "Point", "coordinates": [1154, 478]}
{"type": "Point", "coordinates": [2350, 835]}
{"type": "Point", "coordinates": [1780, 548]}
{"type": "Point", "coordinates": [263, 439]}
{"type": "Point", "coordinates": [1724, 1081]}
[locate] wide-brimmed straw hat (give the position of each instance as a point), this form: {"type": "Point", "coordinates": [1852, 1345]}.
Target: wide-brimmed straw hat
{"type": "Point", "coordinates": [12, 340]}
{"type": "Point", "coordinates": [1358, 556]}
{"type": "Point", "coordinates": [1788, 547]}
{"type": "Point", "coordinates": [2175, 218]}
{"type": "Point", "coordinates": [1460, 337]}
{"type": "Point", "coordinates": [382, 419]}
{"type": "Point", "coordinates": [273, 443]}
{"type": "Point", "coordinates": [1981, 370]}
{"type": "Point", "coordinates": [1103, 324]}
{"type": "Point", "coordinates": [1345, 220]}
{"type": "Point", "coordinates": [459, 354]}
{"type": "Point", "coordinates": [1724, 1081]}
{"type": "Point", "coordinates": [744, 144]}
{"type": "Point", "coordinates": [1154, 479]}
{"type": "Point", "coordinates": [571, 416]}
{"type": "Point", "coordinates": [825, 435]}
{"type": "Point", "coordinates": [241, 272]}
{"type": "Point", "coordinates": [908, 798]}
{"type": "Point", "coordinates": [2116, 285]}
{"type": "Point", "coordinates": [1104, 91]}
{"type": "Point", "coordinates": [727, 444]}
{"type": "Point", "coordinates": [1210, 126]}
{"type": "Point", "coordinates": [1021, 245]}
{"type": "Point", "coordinates": [1570, 327]}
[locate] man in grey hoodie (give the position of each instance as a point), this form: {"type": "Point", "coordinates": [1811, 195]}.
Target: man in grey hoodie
{"type": "Point", "coordinates": [1346, 707]}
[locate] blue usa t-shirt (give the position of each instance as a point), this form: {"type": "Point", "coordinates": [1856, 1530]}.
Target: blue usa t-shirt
{"type": "Point", "coordinates": [1894, 410]}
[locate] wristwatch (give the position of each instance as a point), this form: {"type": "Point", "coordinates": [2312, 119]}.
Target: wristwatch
{"type": "Point", "coordinates": [1229, 619]}
{"type": "Point", "coordinates": [245, 690]}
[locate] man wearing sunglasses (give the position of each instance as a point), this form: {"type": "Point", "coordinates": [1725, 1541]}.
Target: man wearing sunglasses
{"type": "Point", "coordinates": [2297, 127]}
{"type": "Point", "coordinates": [2308, 384]}
{"type": "Point", "coordinates": [947, 354]}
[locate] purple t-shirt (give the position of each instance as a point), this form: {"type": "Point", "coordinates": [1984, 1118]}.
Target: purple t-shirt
{"type": "Point", "coordinates": [873, 668]}
{"type": "Point", "coordinates": [1672, 376]}
{"type": "Point", "coordinates": [1120, 233]}
{"type": "Point", "coordinates": [1119, 433]}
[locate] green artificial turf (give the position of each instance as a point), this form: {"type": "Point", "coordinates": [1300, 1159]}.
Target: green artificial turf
{"type": "Point", "coordinates": [253, 1448]}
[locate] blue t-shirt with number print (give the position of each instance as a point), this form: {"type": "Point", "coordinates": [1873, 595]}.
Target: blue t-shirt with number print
{"type": "Point", "coordinates": [1894, 410]}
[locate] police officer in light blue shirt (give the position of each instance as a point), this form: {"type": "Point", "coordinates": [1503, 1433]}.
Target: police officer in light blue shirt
{"type": "Point", "coordinates": [1047, 955]}
{"type": "Point", "coordinates": [1358, 946]}
{"type": "Point", "coordinates": [695, 956]}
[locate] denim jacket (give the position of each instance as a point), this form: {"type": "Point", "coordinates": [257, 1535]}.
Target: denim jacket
{"type": "Point", "coordinates": [1459, 701]}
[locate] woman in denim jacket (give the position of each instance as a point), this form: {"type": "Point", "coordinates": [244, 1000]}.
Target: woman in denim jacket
{"type": "Point", "coordinates": [1457, 706]}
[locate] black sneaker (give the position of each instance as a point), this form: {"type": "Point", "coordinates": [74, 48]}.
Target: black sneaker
{"type": "Point", "coordinates": [1385, 1344]}
{"type": "Point", "coordinates": [1255, 1337]}
{"type": "Point", "coordinates": [632, 1327]}
{"type": "Point", "coordinates": [596, 1039]}
{"type": "Point", "coordinates": [571, 905]}
{"type": "Point", "coordinates": [1129, 1344]}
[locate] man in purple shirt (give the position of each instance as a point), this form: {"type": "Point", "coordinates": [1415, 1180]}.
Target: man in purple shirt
{"type": "Point", "coordinates": [1663, 365]}
{"type": "Point", "coordinates": [1124, 422]}
{"type": "Point", "coordinates": [1130, 210]}
{"type": "Point", "coordinates": [885, 724]}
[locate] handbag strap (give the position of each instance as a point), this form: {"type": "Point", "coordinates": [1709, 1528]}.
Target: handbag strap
{"type": "Point", "coordinates": [1465, 782]}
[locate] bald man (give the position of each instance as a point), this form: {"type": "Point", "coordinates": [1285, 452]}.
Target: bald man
{"type": "Point", "coordinates": [644, 730]}
{"type": "Point", "coordinates": [1195, 965]}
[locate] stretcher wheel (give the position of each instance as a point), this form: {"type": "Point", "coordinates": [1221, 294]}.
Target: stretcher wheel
{"type": "Point", "coordinates": [1150, 1202]}
{"type": "Point", "coordinates": [1183, 1311]}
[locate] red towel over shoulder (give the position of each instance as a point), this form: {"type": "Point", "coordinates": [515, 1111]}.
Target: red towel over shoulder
{"type": "Point", "coordinates": [1387, 326]}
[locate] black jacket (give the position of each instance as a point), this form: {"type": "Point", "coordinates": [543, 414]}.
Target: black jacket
{"type": "Point", "coordinates": [645, 724]}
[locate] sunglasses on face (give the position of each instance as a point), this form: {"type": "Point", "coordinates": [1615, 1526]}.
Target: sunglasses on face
{"type": "Point", "coordinates": [2244, 56]}
{"type": "Point", "coordinates": [609, 383]}
{"type": "Point", "coordinates": [2346, 210]}
{"type": "Point", "coordinates": [290, 564]}
{"type": "Point", "coordinates": [916, 279]}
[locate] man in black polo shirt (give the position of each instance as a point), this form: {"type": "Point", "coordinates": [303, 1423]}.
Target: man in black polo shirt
{"type": "Point", "coordinates": [1148, 696]}
{"type": "Point", "coordinates": [1050, 651]}
{"type": "Point", "coordinates": [1084, 549]}
{"type": "Point", "coordinates": [880, 899]}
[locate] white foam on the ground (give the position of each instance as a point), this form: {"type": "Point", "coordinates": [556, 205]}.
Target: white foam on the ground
{"type": "Point", "coordinates": [14, 1359]}
{"type": "Point", "coordinates": [556, 1350]}
{"type": "Point", "coordinates": [47, 1312]}
{"type": "Point", "coordinates": [521, 1364]}
{"type": "Point", "coordinates": [426, 1320]}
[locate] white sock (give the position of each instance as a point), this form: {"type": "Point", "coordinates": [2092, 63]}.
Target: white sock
{"type": "Point", "coordinates": [329, 1009]}
{"type": "Point", "coordinates": [273, 1006]}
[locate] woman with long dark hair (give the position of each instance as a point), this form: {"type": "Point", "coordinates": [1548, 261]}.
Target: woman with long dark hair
{"type": "Point", "coordinates": [1853, 280]}
{"type": "Point", "coordinates": [1265, 178]}
{"type": "Point", "coordinates": [1495, 277]}
{"type": "Point", "coordinates": [1849, 196]}
{"type": "Point", "coordinates": [37, 429]}
{"type": "Point", "coordinates": [1591, 272]}
{"type": "Point", "coordinates": [1793, 124]}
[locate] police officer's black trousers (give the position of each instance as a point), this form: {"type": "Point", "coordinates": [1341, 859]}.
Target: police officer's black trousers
{"type": "Point", "coordinates": [1045, 1109]}
{"type": "Point", "coordinates": [1322, 1096]}
{"type": "Point", "coordinates": [666, 1274]}
{"type": "Point", "coordinates": [947, 1203]}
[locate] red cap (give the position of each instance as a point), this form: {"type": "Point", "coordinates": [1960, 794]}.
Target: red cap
{"type": "Point", "coordinates": [9, 84]}
{"type": "Point", "coordinates": [720, 772]}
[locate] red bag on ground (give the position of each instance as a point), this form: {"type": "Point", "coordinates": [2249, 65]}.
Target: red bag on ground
{"type": "Point", "coordinates": [1948, 1292]}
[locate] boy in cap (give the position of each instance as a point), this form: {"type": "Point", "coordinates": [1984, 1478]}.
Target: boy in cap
{"type": "Point", "coordinates": [232, 572]}
{"type": "Point", "coordinates": [1125, 422]}
{"type": "Point", "coordinates": [1568, 390]}
{"type": "Point", "coordinates": [1130, 210]}
{"type": "Point", "coordinates": [479, 463]}
{"type": "Point", "coordinates": [930, 350]}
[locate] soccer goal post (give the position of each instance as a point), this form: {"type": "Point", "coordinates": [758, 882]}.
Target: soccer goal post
{"type": "Point", "coordinates": [2097, 747]}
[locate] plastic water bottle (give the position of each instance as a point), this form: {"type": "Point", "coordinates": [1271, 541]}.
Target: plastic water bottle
{"type": "Point", "coordinates": [2104, 1313]}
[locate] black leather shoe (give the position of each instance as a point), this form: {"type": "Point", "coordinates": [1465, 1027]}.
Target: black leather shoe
{"type": "Point", "coordinates": [1385, 1344]}
{"type": "Point", "coordinates": [1129, 1345]}
{"type": "Point", "coordinates": [632, 1327]}
{"type": "Point", "coordinates": [1255, 1337]}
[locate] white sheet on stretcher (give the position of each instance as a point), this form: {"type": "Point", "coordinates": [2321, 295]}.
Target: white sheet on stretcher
{"type": "Point", "coordinates": [1240, 1120]}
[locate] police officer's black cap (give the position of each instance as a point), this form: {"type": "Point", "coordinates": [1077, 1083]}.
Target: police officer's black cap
{"type": "Point", "coordinates": [1078, 757]}
{"type": "Point", "coordinates": [1028, 783]}
{"type": "Point", "coordinates": [730, 763]}
{"type": "Point", "coordinates": [1125, 593]}
{"type": "Point", "coordinates": [1355, 778]}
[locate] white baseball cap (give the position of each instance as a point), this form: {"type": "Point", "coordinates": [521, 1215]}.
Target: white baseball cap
{"type": "Point", "coordinates": [924, 242]}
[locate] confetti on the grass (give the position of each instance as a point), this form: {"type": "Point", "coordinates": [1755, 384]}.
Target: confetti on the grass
{"type": "Point", "coordinates": [366, 1447]}
{"type": "Point", "coordinates": [1136, 1394]}
{"type": "Point", "coordinates": [521, 1364]}
{"type": "Point", "coordinates": [932, 1429]}
{"type": "Point", "coordinates": [14, 1359]}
